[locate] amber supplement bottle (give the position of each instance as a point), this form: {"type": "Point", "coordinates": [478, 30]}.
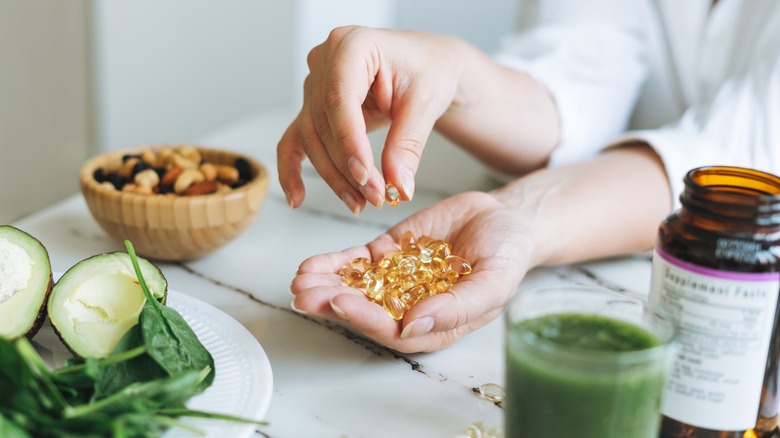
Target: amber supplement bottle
{"type": "Point", "coordinates": [716, 269]}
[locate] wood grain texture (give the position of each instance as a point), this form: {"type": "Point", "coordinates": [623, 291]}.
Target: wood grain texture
{"type": "Point", "coordinates": [171, 227]}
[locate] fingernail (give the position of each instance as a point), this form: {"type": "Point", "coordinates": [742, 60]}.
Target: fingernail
{"type": "Point", "coordinates": [358, 170]}
{"type": "Point", "coordinates": [351, 203]}
{"type": "Point", "coordinates": [418, 327]}
{"type": "Point", "coordinates": [372, 195]}
{"type": "Point", "coordinates": [289, 199]}
{"type": "Point", "coordinates": [407, 185]}
{"type": "Point", "coordinates": [297, 310]}
{"type": "Point", "coordinates": [337, 310]}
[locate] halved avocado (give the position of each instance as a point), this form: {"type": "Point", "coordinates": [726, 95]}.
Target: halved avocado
{"type": "Point", "coordinates": [99, 299]}
{"type": "Point", "coordinates": [25, 283]}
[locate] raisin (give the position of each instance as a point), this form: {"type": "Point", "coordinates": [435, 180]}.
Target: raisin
{"type": "Point", "coordinates": [129, 156]}
{"type": "Point", "coordinates": [117, 180]}
{"type": "Point", "coordinates": [100, 175]}
{"type": "Point", "coordinates": [244, 169]}
{"type": "Point", "coordinates": [140, 166]}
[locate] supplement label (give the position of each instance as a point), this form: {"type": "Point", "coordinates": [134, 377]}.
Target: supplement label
{"type": "Point", "coordinates": [724, 321]}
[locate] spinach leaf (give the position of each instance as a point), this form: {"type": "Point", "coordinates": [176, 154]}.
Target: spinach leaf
{"type": "Point", "coordinates": [186, 412]}
{"type": "Point", "coordinates": [14, 375]}
{"type": "Point", "coordinates": [119, 374]}
{"type": "Point", "coordinates": [37, 375]}
{"type": "Point", "coordinates": [9, 429]}
{"type": "Point", "coordinates": [145, 397]}
{"type": "Point", "coordinates": [169, 340]}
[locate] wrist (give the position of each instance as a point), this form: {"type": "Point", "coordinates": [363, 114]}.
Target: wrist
{"type": "Point", "coordinates": [523, 202]}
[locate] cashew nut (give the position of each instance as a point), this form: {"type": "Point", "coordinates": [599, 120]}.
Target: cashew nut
{"type": "Point", "coordinates": [143, 190]}
{"type": "Point", "coordinates": [209, 171]}
{"type": "Point", "coordinates": [187, 178]}
{"type": "Point", "coordinates": [227, 174]}
{"type": "Point", "coordinates": [139, 190]}
{"type": "Point", "coordinates": [150, 157]}
{"type": "Point", "coordinates": [183, 162]}
{"type": "Point", "coordinates": [191, 154]}
{"type": "Point", "coordinates": [164, 156]}
{"type": "Point", "coordinates": [147, 178]}
{"type": "Point", "coordinates": [126, 171]}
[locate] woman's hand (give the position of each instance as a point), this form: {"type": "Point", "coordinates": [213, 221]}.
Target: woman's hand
{"type": "Point", "coordinates": [477, 226]}
{"type": "Point", "coordinates": [361, 79]}
{"type": "Point", "coordinates": [553, 216]}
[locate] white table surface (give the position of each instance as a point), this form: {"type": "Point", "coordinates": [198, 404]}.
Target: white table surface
{"type": "Point", "coordinates": [328, 381]}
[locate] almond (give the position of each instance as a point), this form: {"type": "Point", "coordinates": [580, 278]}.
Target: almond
{"type": "Point", "coordinates": [170, 176]}
{"type": "Point", "coordinates": [206, 187]}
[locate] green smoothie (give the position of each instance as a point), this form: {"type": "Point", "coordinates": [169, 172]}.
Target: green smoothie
{"type": "Point", "coordinates": [583, 376]}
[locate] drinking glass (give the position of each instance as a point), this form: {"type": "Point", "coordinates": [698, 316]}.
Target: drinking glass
{"type": "Point", "coordinates": [584, 361]}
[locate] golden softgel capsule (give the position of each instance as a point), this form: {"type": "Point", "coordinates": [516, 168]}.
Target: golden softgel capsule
{"type": "Point", "coordinates": [422, 267]}
{"type": "Point", "coordinates": [393, 195]}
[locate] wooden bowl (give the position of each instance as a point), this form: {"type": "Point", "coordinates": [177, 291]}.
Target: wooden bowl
{"type": "Point", "coordinates": [173, 227]}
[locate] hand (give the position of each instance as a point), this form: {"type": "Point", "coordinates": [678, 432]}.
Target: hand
{"type": "Point", "coordinates": [478, 227]}
{"type": "Point", "coordinates": [361, 79]}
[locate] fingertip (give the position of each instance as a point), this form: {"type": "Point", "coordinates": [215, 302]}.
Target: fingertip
{"type": "Point", "coordinates": [352, 203]}
{"type": "Point", "coordinates": [289, 198]}
{"type": "Point", "coordinates": [401, 179]}
{"type": "Point", "coordinates": [338, 310]}
{"type": "Point", "coordinates": [372, 195]}
{"type": "Point", "coordinates": [407, 183]}
{"type": "Point", "coordinates": [292, 184]}
{"type": "Point", "coordinates": [296, 309]}
{"type": "Point", "coordinates": [418, 327]}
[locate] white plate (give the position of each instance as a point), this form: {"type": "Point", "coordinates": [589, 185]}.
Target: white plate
{"type": "Point", "coordinates": [243, 383]}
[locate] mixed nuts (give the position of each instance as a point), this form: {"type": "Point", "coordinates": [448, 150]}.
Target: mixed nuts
{"type": "Point", "coordinates": [175, 171]}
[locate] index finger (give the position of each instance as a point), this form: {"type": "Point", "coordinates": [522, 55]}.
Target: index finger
{"type": "Point", "coordinates": [332, 262]}
{"type": "Point", "coordinates": [346, 87]}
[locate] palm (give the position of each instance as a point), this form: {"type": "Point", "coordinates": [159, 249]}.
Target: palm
{"type": "Point", "coordinates": [483, 233]}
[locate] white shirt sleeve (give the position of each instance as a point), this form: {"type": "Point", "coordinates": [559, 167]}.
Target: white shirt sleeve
{"type": "Point", "coordinates": [740, 126]}
{"type": "Point", "coordinates": [589, 56]}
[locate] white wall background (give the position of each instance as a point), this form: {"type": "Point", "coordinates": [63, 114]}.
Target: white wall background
{"type": "Point", "coordinates": [481, 22]}
{"type": "Point", "coordinates": [45, 129]}
{"type": "Point", "coordinates": [170, 71]}
{"type": "Point", "coordinates": [176, 70]}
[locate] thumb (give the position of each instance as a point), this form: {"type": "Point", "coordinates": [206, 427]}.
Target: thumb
{"type": "Point", "coordinates": [409, 131]}
{"type": "Point", "coordinates": [464, 308]}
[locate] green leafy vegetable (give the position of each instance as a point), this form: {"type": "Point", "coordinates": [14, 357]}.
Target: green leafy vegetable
{"type": "Point", "coordinates": [170, 341]}
{"type": "Point", "coordinates": [119, 374]}
{"type": "Point", "coordinates": [9, 429]}
{"type": "Point", "coordinates": [140, 390]}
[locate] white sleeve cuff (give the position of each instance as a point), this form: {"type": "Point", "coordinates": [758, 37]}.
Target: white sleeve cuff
{"type": "Point", "coordinates": [676, 149]}
{"type": "Point", "coordinates": [593, 71]}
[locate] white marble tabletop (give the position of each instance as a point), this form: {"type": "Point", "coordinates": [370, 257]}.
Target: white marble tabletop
{"type": "Point", "coordinates": [327, 380]}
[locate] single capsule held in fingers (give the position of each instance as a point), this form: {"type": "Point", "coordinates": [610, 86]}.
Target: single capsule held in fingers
{"type": "Point", "coordinates": [393, 195]}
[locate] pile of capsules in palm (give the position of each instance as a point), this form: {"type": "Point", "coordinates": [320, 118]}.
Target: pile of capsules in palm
{"type": "Point", "coordinates": [420, 268]}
